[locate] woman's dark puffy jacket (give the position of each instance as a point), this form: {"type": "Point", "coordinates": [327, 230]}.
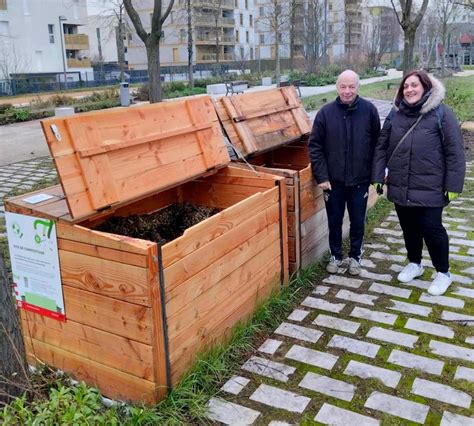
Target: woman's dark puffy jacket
{"type": "Point", "coordinates": [424, 167]}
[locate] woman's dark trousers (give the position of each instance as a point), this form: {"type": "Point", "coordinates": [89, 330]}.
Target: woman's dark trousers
{"type": "Point", "coordinates": [425, 223]}
{"type": "Point", "coordinates": [356, 199]}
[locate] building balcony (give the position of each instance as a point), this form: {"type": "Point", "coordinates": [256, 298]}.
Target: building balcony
{"type": "Point", "coordinates": [78, 63]}
{"type": "Point", "coordinates": [76, 41]}
{"type": "Point", "coordinates": [211, 57]}
{"type": "Point", "coordinates": [209, 21]}
{"type": "Point", "coordinates": [224, 4]}
{"type": "Point", "coordinates": [211, 39]}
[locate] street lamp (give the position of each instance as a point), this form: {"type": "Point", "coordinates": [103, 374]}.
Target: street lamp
{"type": "Point", "coordinates": [61, 19]}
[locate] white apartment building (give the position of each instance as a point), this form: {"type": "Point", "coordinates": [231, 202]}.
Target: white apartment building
{"type": "Point", "coordinates": [44, 38]}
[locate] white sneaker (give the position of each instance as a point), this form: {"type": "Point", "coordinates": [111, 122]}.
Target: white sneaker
{"type": "Point", "coordinates": [440, 284]}
{"type": "Point", "coordinates": [333, 266]}
{"type": "Point", "coordinates": [354, 266]}
{"type": "Point", "coordinates": [410, 272]}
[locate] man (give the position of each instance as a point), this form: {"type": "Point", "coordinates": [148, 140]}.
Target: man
{"type": "Point", "coordinates": [341, 147]}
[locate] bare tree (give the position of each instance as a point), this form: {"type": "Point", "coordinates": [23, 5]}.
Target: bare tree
{"type": "Point", "coordinates": [468, 4]}
{"type": "Point", "coordinates": [409, 26]}
{"type": "Point", "coordinates": [152, 42]}
{"type": "Point", "coordinates": [12, 60]}
{"type": "Point", "coordinates": [190, 42]}
{"type": "Point", "coordinates": [13, 372]}
{"type": "Point", "coordinates": [378, 39]}
{"type": "Point", "coordinates": [427, 37]}
{"type": "Point", "coordinates": [446, 11]}
{"type": "Point", "coordinates": [313, 35]}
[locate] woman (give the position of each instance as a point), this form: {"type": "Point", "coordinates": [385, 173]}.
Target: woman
{"type": "Point", "coordinates": [420, 155]}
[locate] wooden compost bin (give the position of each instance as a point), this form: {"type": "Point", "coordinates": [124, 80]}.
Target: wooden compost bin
{"type": "Point", "coordinates": [138, 312]}
{"type": "Point", "coordinates": [271, 129]}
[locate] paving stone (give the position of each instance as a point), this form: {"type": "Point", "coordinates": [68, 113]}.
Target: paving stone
{"type": "Point", "coordinates": [299, 332]}
{"type": "Point", "coordinates": [440, 392]}
{"type": "Point", "coordinates": [390, 257]}
{"type": "Point", "coordinates": [312, 357]}
{"type": "Point", "coordinates": [393, 240]}
{"type": "Point", "coordinates": [467, 209]}
{"type": "Point", "coordinates": [385, 224]}
{"type": "Point", "coordinates": [235, 384]}
{"type": "Point", "coordinates": [410, 308]}
{"type": "Point", "coordinates": [460, 234]}
{"type": "Point", "coordinates": [354, 346]}
{"type": "Point", "coordinates": [374, 276]}
{"type": "Point", "coordinates": [316, 303]}
{"type": "Point", "coordinates": [391, 290]}
{"type": "Point", "coordinates": [390, 336]}
{"type": "Point", "coordinates": [298, 315]}
{"type": "Point", "coordinates": [389, 378]}
{"type": "Point", "coordinates": [377, 316]}
{"type": "Point", "coordinates": [268, 368]}
{"type": "Point", "coordinates": [321, 290]}
{"type": "Point", "coordinates": [279, 398]}
{"type": "Point", "coordinates": [462, 242]}
{"type": "Point", "coordinates": [229, 413]}
{"type": "Point", "coordinates": [423, 285]}
{"type": "Point", "coordinates": [450, 302]}
{"type": "Point", "coordinates": [471, 251]}
{"type": "Point", "coordinates": [457, 318]}
{"type": "Point", "coordinates": [461, 258]}
{"type": "Point", "coordinates": [332, 415]}
{"type": "Point", "coordinates": [344, 281]}
{"type": "Point", "coordinates": [452, 351]}
{"type": "Point", "coordinates": [270, 346]}
{"type": "Point", "coordinates": [399, 407]}
{"type": "Point", "coordinates": [279, 423]}
{"type": "Point", "coordinates": [450, 419]}
{"type": "Point", "coordinates": [336, 323]}
{"type": "Point", "coordinates": [365, 299]}
{"type": "Point", "coordinates": [367, 263]}
{"type": "Point", "coordinates": [417, 362]}
{"type": "Point", "coordinates": [429, 328]}
{"type": "Point", "coordinates": [465, 292]}
{"type": "Point", "coordinates": [383, 231]}
{"type": "Point", "coordinates": [466, 228]}
{"type": "Point", "coordinates": [328, 386]}
{"type": "Point", "coordinates": [469, 270]}
{"type": "Point", "coordinates": [464, 373]}
{"type": "Point", "coordinates": [377, 246]}
{"type": "Point", "coordinates": [470, 340]}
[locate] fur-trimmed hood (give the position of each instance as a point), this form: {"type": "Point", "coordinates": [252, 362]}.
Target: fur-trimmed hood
{"type": "Point", "coordinates": [438, 93]}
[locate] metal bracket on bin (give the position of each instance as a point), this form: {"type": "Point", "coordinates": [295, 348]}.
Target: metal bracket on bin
{"type": "Point", "coordinates": [235, 154]}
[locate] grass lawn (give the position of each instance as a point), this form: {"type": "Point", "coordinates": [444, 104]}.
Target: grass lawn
{"type": "Point", "coordinates": [460, 95]}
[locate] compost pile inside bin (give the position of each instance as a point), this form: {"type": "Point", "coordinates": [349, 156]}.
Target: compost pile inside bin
{"type": "Point", "coordinates": [164, 225]}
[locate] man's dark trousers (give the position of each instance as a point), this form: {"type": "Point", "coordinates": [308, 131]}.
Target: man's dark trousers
{"type": "Point", "coordinates": [355, 197]}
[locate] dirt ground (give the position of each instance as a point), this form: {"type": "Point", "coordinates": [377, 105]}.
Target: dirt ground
{"type": "Point", "coordinates": [468, 144]}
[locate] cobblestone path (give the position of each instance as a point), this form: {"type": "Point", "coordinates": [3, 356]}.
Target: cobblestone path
{"type": "Point", "coordinates": [369, 350]}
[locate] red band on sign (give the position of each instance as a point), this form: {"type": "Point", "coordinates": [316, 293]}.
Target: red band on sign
{"type": "Point", "coordinates": [41, 311]}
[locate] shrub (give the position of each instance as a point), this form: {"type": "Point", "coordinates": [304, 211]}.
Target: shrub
{"type": "Point", "coordinates": [104, 95]}
{"type": "Point", "coordinates": [59, 100]}
{"type": "Point", "coordinates": [4, 107]}
{"type": "Point", "coordinates": [92, 106]}
{"type": "Point", "coordinates": [19, 114]}
{"type": "Point", "coordinates": [143, 93]}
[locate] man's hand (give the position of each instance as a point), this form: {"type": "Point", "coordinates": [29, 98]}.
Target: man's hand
{"type": "Point", "coordinates": [325, 186]}
{"type": "Point", "coordinates": [452, 196]}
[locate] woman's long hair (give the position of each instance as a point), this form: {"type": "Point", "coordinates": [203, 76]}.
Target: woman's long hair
{"type": "Point", "coordinates": [424, 80]}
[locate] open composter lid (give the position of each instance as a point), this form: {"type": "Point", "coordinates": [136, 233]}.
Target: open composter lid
{"type": "Point", "coordinates": [260, 121]}
{"type": "Point", "coordinates": [106, 158]}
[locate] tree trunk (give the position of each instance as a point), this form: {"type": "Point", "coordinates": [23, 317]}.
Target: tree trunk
{"type": "Point", "coordinates": [190, 45]}
{"type": "Point", "coordinates": [409, 44]}
{"type": "Point", "coordinates": [154, 78]}
{"type": "Point", "coordinates": [277, 61]}
{"type": "Point", "coordinates": [12, 353]}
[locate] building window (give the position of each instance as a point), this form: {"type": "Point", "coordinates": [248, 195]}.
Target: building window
{"type": "Point", "coordinates": [171, 16]}
{"type": "Point", "coordinates": [237, 36]}
{"type": "Point", "coordinates": [246, 4]}
{"type": "Point", "coordinates": [51, 33]}
{"type": "Point", "coordinates": [251, 20]}
{"type": "Point", "coordinates": [246, 36]}
{"type": "Point", "coordinates": [261, 11]}
{"type": "Point", "coordinates": [330, 29]}
{"type": "Point", "coordinates": [262, 38]}
{"type": "Point", "coordinates": [175, 54]}
{"type": "Point", "coordinates": [182, 35]}
{"type": "Point", "coordinates": [162, 37]}
{"type": "Point", "coordinates": [241, 19]}
{"type": "Point", "coordinates": [236, 3]}
{"type": "Point", "coordinates": [3, 5]}
{"type": "Point", "coordinates": [330, 6]}
{"type": "Point", "coordinates": [242, 54]}
{"type": "Point", "coordinates": [280, 37]}
{"type": "Point", "coordinates": [251, 53]}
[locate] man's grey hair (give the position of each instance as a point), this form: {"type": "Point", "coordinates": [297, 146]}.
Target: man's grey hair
{"type": "Point", "coordinates": [348, 73]}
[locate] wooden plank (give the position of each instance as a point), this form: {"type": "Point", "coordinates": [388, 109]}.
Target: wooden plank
{"type": "Point", "coordinates": [105, 277]}
{"type": "Point", "coordinates": [217, 225]}
{"type": "Point", "coordinates": [189, 291]}
{"type": "Point", "coordinates": [112, 383]}
{"type": "Point", "coordinates": [284, 232]}
{"type": "Point", "coordinates": [185, 348]}
{"type": "Point", "coordinates": [299, 114]}
{"type": "Point", "coordinates": [190, 265]}
{"type": "Point", "coordinates": [114, 316]}
{"type": "Point", "coordinates": [102, 239]}
{"type": "Point", "coordinates": [103, 253]}
{"type": "Point", "coordinates": [104, 348]}
{"type": "Point", "coordinates": [291, 249]}
{"type": "Point", "coordinates": [262, 113]}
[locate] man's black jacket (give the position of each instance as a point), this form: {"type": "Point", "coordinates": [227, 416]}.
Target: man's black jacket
{"type": "Point", "coordinates": [342, 141]}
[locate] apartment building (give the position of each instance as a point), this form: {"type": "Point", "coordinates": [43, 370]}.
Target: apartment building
{"type": "Point", "coordinates": [242, 30]}
{"type": "Point", "coordinates": [44, 38]}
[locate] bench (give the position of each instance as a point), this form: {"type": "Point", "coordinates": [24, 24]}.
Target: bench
{"type": "Point", "coordinates": [235, 87]}
{"type": "Point", "coordinates": [295, 83]}
{"type": "Point", "coordinates": [389, 85]}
